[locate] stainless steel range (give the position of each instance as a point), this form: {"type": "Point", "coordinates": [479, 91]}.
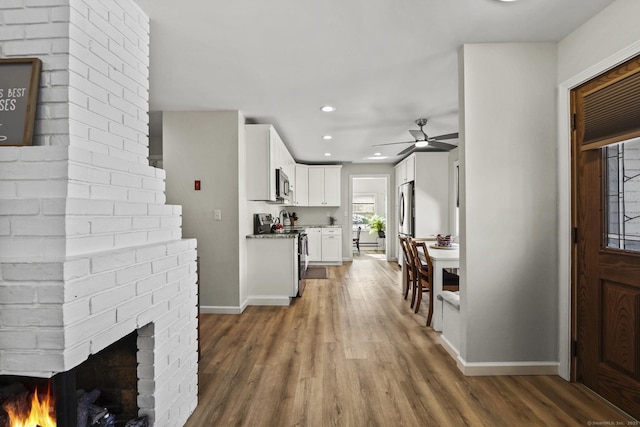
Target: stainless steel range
{"type": "Point", "coordinates": [303, 260]}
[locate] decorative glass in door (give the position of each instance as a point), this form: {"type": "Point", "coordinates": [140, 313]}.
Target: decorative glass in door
{"type": "Point", "coordinates": [622, 195]}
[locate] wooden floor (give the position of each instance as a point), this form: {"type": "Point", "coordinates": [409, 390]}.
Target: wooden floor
{"type": "Point", "coordinates": [350, 352]}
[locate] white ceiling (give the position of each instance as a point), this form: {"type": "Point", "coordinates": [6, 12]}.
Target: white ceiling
{"type": "Point", "coordinates": [381, 63]}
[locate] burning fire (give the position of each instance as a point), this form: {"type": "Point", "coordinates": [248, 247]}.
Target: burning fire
{"type": "Point", "coordinates": [41, 414]}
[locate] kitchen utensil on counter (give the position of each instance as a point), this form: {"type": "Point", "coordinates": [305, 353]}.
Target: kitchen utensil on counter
{"type": "Point", "coordinates": [277, 227]}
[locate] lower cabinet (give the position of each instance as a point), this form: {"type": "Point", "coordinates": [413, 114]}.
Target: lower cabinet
{"type": "Point", "coordinates": [272, 270]}
{"type": "Point", "coordinates": [314, 242]}
{"type": "Point", "coordinates": [332, 244]}
{"type": "Point", "coordinates": [325, 244]}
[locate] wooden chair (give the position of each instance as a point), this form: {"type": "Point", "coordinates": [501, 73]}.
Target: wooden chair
{"type": "Point", "coordinates": [356, 240]}
{"type": "Point", "coordinates": [410, 270]}
{"type": "Point", "coordinates": [450, 281]}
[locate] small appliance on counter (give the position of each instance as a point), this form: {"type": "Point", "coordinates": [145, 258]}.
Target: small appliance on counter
{"type": "Point", "coordinates": [286, 218]}
{"type": "Point", "coordinates": [262, 223]}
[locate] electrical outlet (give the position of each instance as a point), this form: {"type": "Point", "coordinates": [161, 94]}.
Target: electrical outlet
{"type": "Point", "coordinates": [217, 215]}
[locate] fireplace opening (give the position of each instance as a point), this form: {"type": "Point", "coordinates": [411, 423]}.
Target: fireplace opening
{"type": "Point", "coordinates": [102, 391]}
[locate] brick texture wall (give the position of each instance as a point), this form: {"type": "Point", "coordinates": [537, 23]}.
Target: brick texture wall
{"type": "Point", "coordinates": [89, 251]}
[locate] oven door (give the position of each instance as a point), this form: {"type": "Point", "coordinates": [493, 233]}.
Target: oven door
{"type": "Point", "coordinates": [303, 261]}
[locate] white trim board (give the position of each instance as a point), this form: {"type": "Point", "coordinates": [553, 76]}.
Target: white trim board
{"type": "Point", "coordinates": [218, 309]}
{"type": "Point", "coordinates": [498, 368]}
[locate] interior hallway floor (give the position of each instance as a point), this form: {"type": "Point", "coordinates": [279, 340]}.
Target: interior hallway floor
{"type": "Point", "coordinates": [350, 352]}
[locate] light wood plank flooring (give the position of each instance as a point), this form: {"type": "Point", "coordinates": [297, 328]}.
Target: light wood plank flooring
{"type": "Point", "coordinates": [350, 352]}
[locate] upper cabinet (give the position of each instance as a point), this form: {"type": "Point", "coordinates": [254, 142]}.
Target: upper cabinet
{"type": "Point", "coordinates": [301, 188]}
{"type": "Point", "coordinates": [312, 185]}
{"type": "Point", "coordinates": [406, 170]}
{"type": "Point", "coordinates": [265, 153]}
{"type": "Point", "coordinates": [324, 185]}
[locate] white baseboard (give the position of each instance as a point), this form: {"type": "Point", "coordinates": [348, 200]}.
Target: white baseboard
{"type": "Point", "coordinates": [268, 300]}
{"type": "Point", "coordinates": [217, 309]}
{"type": "Point", "coordinates": [449, 348]}
{"type": "Point", "coordinates": [471, 369]}
{"type": "Point", "coordinates": [507, 368]}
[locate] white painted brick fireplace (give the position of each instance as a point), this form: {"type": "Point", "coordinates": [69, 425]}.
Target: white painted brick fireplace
{"type": "Point", "coordinates": [89, 251]}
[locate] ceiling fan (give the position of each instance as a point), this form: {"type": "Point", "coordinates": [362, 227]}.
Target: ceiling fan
{"type": "Point", "coordinates": [423, 142]}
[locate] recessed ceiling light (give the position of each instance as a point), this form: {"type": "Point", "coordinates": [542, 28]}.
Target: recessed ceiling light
{"type": "Point", "coordinates": [328, 108]}
{"type": "Point", "coordinates": [421, 144]}
{"type": "Point", "coordinates": [327, 154]}
{"type": "Point", "coordinates": [376, 158]}
{"type": "Point", "coordinates": [327, 137]}
{"type": "Point", "coordinates": [377, 154]}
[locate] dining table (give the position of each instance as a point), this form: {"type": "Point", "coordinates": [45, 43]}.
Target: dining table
{"type": "Point", "coordinates": [441, 257]}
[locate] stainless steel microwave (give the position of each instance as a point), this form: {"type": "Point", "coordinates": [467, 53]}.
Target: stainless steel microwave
{"type": "Point", "coordinates": [283, 190]}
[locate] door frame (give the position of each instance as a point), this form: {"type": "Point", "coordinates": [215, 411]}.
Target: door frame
{"type": "Point", "coordinates": [387, 208]}
{"type": "Point", "coordinates": [565, 205]}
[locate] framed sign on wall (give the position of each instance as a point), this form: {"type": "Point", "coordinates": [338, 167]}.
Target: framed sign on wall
{"type": "Point", "coordinates": [19, 83]}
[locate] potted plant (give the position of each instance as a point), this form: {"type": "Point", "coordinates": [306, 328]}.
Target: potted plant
{"type": "Point", "coordinates": [377, 225]}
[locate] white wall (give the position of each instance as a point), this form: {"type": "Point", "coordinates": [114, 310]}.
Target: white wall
{"type": "Point", "coordinates": [607, 39]}
{"type": "Point", "coordinates": [453, 159]}
{"type": "Point", "coordinates": [204, 146]}
{"type": "Point", "coordinates": [612, 30]}
{"type": "Point", "coordinates": [509, 285]}
{"type": "Point", "coordinates": [432, 194]}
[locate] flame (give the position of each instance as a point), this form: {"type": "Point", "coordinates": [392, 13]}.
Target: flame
{"type": "Point", "coordinates": [39, 415]}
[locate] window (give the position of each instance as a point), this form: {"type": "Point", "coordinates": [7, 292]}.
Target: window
{"type": "Point", "coordinates": [363, 208]}
{"type": "Point", "coordinates": [623, 195]}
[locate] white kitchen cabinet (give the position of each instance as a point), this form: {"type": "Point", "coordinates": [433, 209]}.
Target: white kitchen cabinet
{"type": "Point", "coordinates": [272, 270]}
{"type": "Point", "coordinates": [314, 243]}
{"type": "Point", "coordinates": [324, 185]}
{"type": "Point", "coordinates": [410, 168]}
{"type": "Point", "coordinates": [406, 170]}
{"type": "Point", "coordinates": [265, 153]}
{"type": "Point", "coordinates": [332, 244]}
{"type": "Point", "coordinates": [325, 245]}
{"type": "Point", "coordinates": [301, 187]}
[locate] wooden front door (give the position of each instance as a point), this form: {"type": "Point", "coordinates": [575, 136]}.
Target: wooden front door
{"type": "Point", "coordinates": [606, 257]}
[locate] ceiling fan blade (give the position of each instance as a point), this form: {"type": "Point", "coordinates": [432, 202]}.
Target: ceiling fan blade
{"type": "Point", "coordinates": [418, 134]}
{"type": "Point", "coordinates": [442, 145]}
{"type": "Point", "coordinates": [394, 143]}
{"type": "Point", "coordinates": [407, 150]}
{"type": "Point", "coordinates": [447, 136]}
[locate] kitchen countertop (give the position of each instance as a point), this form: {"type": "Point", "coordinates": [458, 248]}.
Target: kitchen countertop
{"type": "Point", "coordinates": [290, 233]}
{"type": "Point", "coordinates": [287, 235]}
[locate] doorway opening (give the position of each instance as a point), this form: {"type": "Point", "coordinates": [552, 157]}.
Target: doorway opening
{"type": "Point", "coordinates": [369, 213]}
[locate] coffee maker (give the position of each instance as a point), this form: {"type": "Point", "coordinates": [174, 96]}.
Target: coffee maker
{"type": "Point", "coordinates": [262, 223]}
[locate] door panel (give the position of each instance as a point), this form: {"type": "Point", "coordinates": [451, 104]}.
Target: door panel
{"type": "Point", "coordinates": [606, 255]}
{"type": "Point", "coordinates": [619, 334]}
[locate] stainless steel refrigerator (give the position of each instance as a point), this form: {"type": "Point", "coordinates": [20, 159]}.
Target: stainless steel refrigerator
{"type": "Point", "coordinates": [406, 215]}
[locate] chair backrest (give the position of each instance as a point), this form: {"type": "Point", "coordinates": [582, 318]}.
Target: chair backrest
{"type": "Point", "coordinates": [358, 233]}
{"type": "Point", "coordinates": [410, 256]}
{"type": "Point", "coordinates": [425, 270]}
{"type": "Point", "coordinates": [403, 245]}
